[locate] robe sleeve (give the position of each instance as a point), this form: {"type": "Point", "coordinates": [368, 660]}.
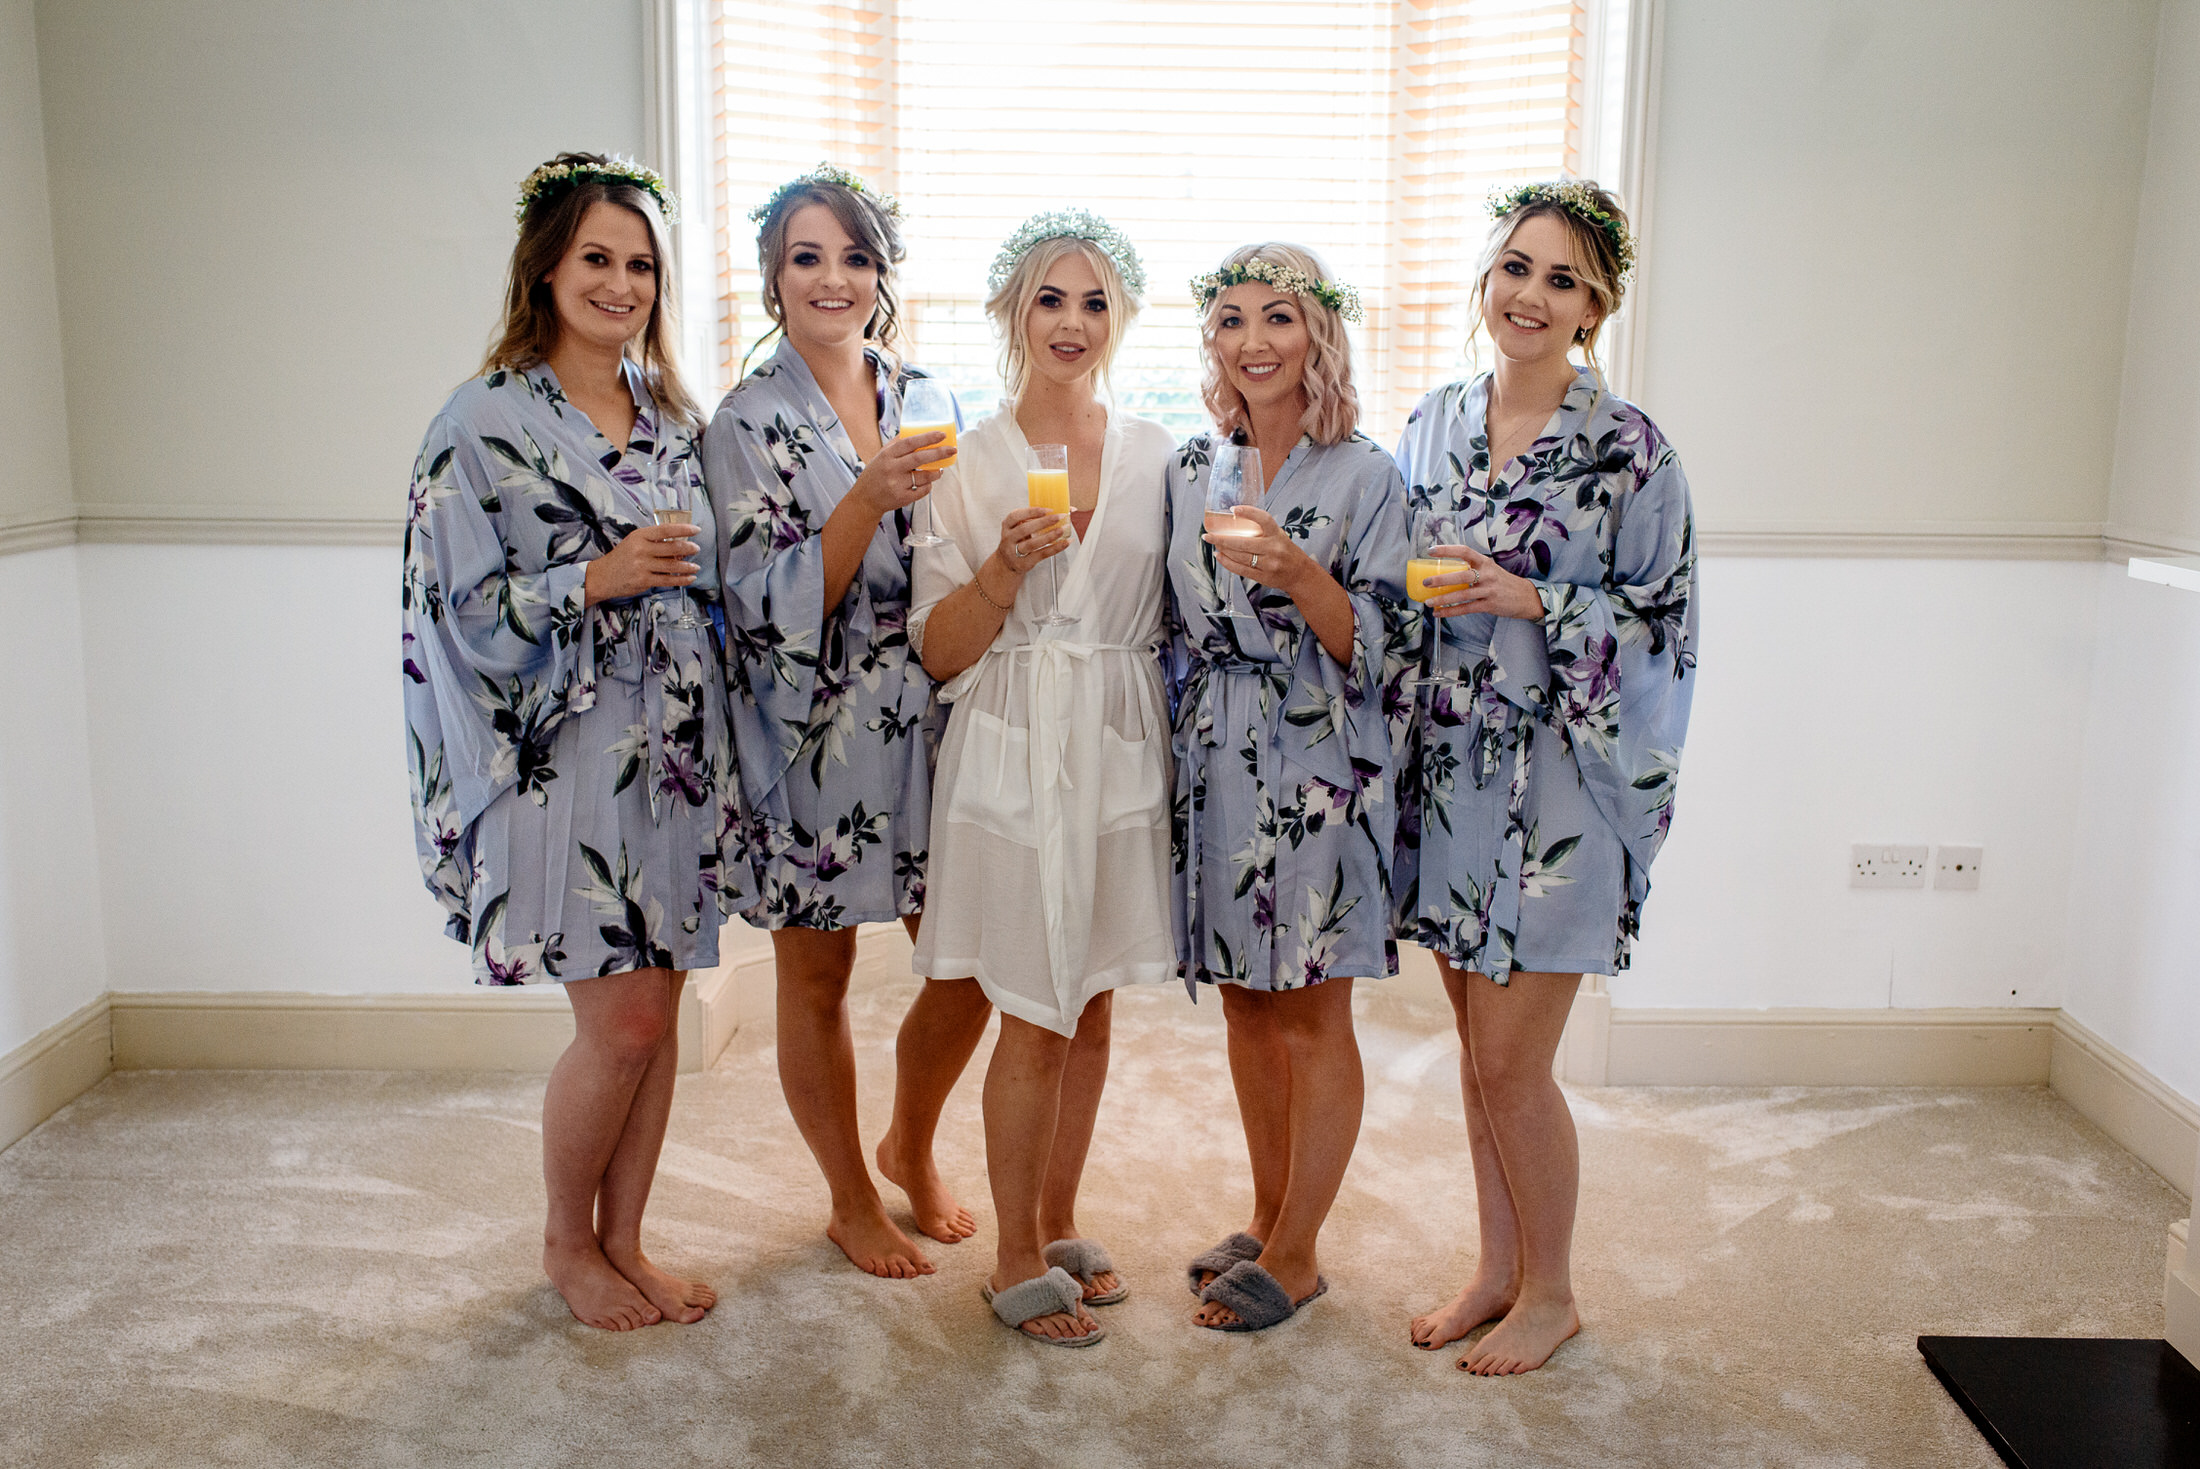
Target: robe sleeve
{"type": "Point", "coordinates": [495, 654]}
{"type": "Point", "coordinates": [1335, 721]}
{"type": "Point", "coordinates": [943, 569]}
{"type": "Point", "coordinates": [771, 568]}
{"type": "Point", "coordinates": [1613, 665]}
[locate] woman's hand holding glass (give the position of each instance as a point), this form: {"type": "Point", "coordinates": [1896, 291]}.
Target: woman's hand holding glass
{"type": "Point", "coordinates": [648, 560]}
{"type": "Point", "coordinates": [1264, 553]}
{"type": "Point", "coordinates": [1029, 536]}
{"type": "Point", "coordinates": [900, 473]}
{"type": "Point", "coordinates": [1479, 584]}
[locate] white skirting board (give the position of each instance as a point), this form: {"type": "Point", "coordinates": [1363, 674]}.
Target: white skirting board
{"type": "Point", "coordinates": [51, 1069]}
{"type": "Point", "coordinates": [2181, 1294]}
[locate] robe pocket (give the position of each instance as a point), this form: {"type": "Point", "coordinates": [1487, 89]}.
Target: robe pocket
{"type": "Point", "coordinates": [1134, 782]}
{"type": "Point", "coordinates": [992, 787]}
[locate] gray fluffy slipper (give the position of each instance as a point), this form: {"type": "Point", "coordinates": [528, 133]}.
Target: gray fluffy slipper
{"type": "Point", "coordinates": [1256, 1297]}
{"type": "Point", "coordinates": [1042, 1295]}
{"type": "Point", "coordinates": [1085, 1258]}
{"type": "Point", "coordinates": [1217, 1261]}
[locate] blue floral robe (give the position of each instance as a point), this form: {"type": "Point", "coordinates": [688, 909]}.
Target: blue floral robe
{"type": "Point", "coordinates": [1284, 807]}
{"type": "Point", "coordinates": [572, 784]}
{"type": "Point", "coordinates": [833, 716]}
{"type": "Point", "coordinates": [1546, 751]}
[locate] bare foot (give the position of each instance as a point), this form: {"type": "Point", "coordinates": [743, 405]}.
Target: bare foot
{"type": "Point", "coordinates": [679, 1300]}
{"type": "Point", "coordinates": [938, 1215]}
{"type": "Point", "coordinates": [1524, 1340]}
{"type": "Point", "coordinates": [1481, 1299]}
{"type": "Point", "coordinates": [875, 1245]}
{"type": "Point", "coordinates": [1299, 1282]}
{"type": "Point", "coordinates": [1102, 1283]}
{"type": "Point", "coordinates": [1060, 1324]}
{"type": "Point", "coordinates": [596, 1294]}
{"type": "Point", "coordinates": [1207, 1275]}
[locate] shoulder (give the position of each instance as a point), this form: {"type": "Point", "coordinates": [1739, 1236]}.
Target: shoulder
{"type": "Point", "coordinates": [1440, 407]}
{"type": "Point", "coordinates": [497, 396]}
{"type": "Point", "coordinates": [1148, 440]}
{"type": "Point", "coordinates": [1361, 461]}
{"type": "Point", "coordinates": [1629, 429]}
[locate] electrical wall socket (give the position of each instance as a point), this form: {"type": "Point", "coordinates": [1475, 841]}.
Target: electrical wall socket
{"type": "Point", "coordinates": [1872, 865]}
{"type": "Point", "coordinates": [1955, 869]}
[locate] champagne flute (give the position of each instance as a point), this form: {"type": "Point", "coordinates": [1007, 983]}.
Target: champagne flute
{"type": "Point", "coordinates": [927, 407]}
{"type": "Point", "coordinates": [677, 513]}
{"type": "Point", "coordinates": [1233, 479]}
{"type": "Point", "coordinates": [1047, 479]}
{"type": "Point", "coordinates": [1432, 529]}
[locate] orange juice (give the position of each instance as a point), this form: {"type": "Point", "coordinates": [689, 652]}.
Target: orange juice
{"type": "Point", "coordinates": [1420, 568]}
{"type": "Point", "coordinates": [1049, 489]}
{"type": "Point", "coordinates": [1223, 523]}
{"type": "Point", "coordinates": [909, 429]}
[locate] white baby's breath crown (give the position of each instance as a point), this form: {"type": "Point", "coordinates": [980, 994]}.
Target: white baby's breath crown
{"type": "Point", "coordinates": [1072, 224]}
{"type": "Point", "coordinates": [1335, 295]}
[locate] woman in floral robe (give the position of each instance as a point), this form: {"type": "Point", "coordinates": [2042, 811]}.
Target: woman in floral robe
{"type": "Point", "coordinates": [1283, 730]}
{"type": "Point", "coordinates": [573, 790]}
{"type": "Point", "coordinates": [832, 713]}
{"type": "Point", "coordinates": [1547, 738]}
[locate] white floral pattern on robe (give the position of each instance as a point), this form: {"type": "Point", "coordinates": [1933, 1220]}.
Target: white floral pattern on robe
{"type": "Point", "coordinates": [833, 716]}
{"type": "Point", "coordinates": [573, 792]}
{"type": "Point", "coordinates": [1284, 809]}
{"type": "Point", "coordinates": [1547, 752]}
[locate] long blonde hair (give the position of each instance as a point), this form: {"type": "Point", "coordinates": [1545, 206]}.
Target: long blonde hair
{"type": "Point", "coordinates": [1596, 262]}
{"type": "Point", "coordinates": [1010, 307]}
{"type": "Point", "coordinates": [529, 333]}
{"type": "Point", "coordinates": [1332, 402]}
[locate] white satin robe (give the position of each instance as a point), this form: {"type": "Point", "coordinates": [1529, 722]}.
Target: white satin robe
{"type": "Point", "coordinates": [1050, 870]}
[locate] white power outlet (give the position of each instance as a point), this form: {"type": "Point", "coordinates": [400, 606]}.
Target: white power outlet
{"type": "Point", "coordinates": [1955, 869]}
{"type": "Point", "coordinates": [1872, 865]}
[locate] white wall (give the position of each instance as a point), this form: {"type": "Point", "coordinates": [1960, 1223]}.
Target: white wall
{"type": "Point", "coordinates": [53, 954]}
{"type": "Point", "coordinates": [1841, 701]}
{"type": "Point", "coordinates": [34, 473]}
{"type": "Point", "coordinates": [1885, 285]}
{"type": "Point", "coordinates": [283, 229]}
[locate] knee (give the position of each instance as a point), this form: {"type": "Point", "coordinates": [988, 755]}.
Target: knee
{"type": "Point", "coordinates": [1097, 1024]}
{"type": "Point", "coordinates": [1506, 1076]}
{"type": "Point", "coordinates": [631, 1034]}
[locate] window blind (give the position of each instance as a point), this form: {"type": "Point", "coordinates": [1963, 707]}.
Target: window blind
{"type": "Point", "coordinates": [1369, 130]}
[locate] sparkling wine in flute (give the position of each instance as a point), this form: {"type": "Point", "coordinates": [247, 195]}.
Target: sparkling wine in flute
{"type": "Point", "coordinates": [1227, 523]}
{"type": "Point", "coordinates": [676, 516]}
{"type": "Point", "coordinates": [1233, 479]}
{"type": "Point", "coordinates": [1046, 481]}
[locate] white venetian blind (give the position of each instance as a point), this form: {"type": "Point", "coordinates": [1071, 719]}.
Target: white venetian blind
{"type": "Point", "coordinates": [1369, 130]}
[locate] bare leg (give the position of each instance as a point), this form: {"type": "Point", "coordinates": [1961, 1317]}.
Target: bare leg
{"type": "Point", "coordinates": [1260, 1071]}
{"type": "Point", "coordinates": [633, 1169]}
{"type": "Point", "coordinates": [1084, 1077]}
{"type": "Point", "coordinates": [817, 1071]}
{"type": "Point", "coordinates": [1023, 1097]}
{"type": "Point", "coordinates": [937, 1038]}
{"type": "Point", "coordinates": [1514, 1031]}
{"type": "Point", "coordinates": [1327, 1091]}
{"type": "Point", "coordinates": [619, 1023]}
{"type": "Point", "coordinates": [1496, 1283]}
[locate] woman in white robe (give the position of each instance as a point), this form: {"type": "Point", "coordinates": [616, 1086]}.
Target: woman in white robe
{"type": "Point", "coordinates": [1049, 879]}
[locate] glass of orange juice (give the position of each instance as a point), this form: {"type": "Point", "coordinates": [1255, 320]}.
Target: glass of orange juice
{"type": "Point", "coordinates": [1047, 478]}
{"type": "Point", "coordinates": [927, 407]}
{"type": "Point", "coordinates": [1432, 529]}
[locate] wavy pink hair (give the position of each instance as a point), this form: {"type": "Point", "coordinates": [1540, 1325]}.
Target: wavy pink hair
{"type": "Point", "coordinates": [1332, 402]}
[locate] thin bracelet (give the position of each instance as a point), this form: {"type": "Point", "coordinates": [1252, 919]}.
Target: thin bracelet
{"type": "Point", "coordinates": [978, 581]}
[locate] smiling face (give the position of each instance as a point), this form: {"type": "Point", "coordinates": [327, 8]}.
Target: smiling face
{"type": "Point", "coordinates": [828, 283]}
{"type": "Point", "coordinates": [1066, 330]}
{"type": "Point", "coordinates": [605, 285]}
{"type": "Point", "coordinates": [1261, 343]}
{"type": "Point", "coordinates": [1534, 302]}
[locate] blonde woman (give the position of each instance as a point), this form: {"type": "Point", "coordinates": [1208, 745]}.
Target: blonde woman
{"type": "Point", "coordinates": [571, 773]}
{"type": "Point", "coordinates": [1563, 651]}
{"type": "Point", "coordinates": [833, 718]}
{"type": "Point", "coordinates": [1283, 738]}
{"type": "Point", "coordinates": [1050, 837]}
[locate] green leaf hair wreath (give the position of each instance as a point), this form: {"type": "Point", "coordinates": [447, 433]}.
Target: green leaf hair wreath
{"type": "Point", "coordinates": [1577, 199]}
{"type": "Point", "coordinates": [826, 173]}
{"type": "Point", "coordinates": [553, 179]}
{"type": "Point", "coordinates": [1335, 295]}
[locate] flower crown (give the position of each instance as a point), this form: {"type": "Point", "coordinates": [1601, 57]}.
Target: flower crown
{"type": "Point", "coordinates": [553, 179]}
{"type": "Point", "coordinates": [1578, 199]}
{"type": "Point", "coordinates": [1337, 296]}
{"type": "Point", "coordinates": [1069, 224]}
{"type": "Point", "coordinates": [826, 173]}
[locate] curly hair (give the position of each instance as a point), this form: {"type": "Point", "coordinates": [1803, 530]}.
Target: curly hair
{"type": "Point", "coordinates": [1596, 262]}
{"type": "Point", "coordinates": [529, 332]}
{"type": "Point", "coordinates": [867, 222]}
{"type": "Point", "coordinates": [1332, 402]}
{"type": "Point", "coordinates": [1010, 306]}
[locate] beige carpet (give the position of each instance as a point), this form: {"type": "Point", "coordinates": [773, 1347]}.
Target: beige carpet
{"type": "Point", "coordinates": [340, 1268]}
